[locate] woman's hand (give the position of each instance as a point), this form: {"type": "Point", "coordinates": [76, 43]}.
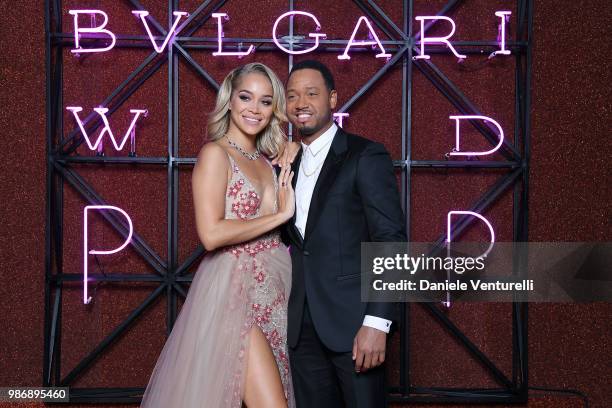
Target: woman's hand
{"type": "Point", "coordinates": [287, 155]}
{"type": "Point", "coordinates": [286, 195]}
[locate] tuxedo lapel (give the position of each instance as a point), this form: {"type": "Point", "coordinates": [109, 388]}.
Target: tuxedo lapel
{"type": "Point", "coordinates": [295, 167]}
{"type": "Point", "coordinates": [327, 176]}
{"type": "Point", "coordinates": [293, 231]}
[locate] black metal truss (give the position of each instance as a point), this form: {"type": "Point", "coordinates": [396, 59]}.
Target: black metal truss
{"type": "Point", "coordinates": [170, 274]}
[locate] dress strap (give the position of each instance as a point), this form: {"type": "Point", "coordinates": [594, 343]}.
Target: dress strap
{"type": "Point", "coordinates": [233, 165]}
{"type": "Point", "coordinates": [275, 182]}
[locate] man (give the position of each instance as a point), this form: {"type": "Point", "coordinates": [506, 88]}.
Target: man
{"type": "Point", "coordinates": [346, 193]}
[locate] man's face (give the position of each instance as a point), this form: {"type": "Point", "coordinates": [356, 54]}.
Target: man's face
{"type": "Point", "coordinates": [309, 102]}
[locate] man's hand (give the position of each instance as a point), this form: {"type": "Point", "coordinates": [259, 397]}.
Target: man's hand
{"type": "Point", "coordinates": [369, 348]}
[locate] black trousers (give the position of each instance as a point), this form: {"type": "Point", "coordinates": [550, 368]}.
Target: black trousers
{"type": "Point", "coordinates": [326, 379]}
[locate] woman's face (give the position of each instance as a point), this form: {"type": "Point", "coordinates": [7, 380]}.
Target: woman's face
{"type": "Point", "coordinates": [251, 104]}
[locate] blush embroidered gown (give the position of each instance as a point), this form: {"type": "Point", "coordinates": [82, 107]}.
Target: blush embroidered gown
{"type": "Point", "coordinates": [203, 363]}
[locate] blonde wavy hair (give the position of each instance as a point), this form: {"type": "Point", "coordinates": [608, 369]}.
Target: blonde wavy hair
{"type": "Point", "coordinates": [270, 140]}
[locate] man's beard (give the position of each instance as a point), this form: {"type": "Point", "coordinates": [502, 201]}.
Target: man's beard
{"type": "Point", "coordinates": [307, 131]}
{"type": "Point", "coordinates": [311, 130]}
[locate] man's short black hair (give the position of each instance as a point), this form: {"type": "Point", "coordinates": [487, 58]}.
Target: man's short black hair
{"type": "Point", "coordinates": [317, 66]}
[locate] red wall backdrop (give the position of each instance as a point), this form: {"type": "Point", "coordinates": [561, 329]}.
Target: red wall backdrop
{"type": "Point", "coordinates": [569, 344]}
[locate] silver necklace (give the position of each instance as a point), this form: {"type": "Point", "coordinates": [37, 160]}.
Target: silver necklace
{"type": "Point", "coordinates": [312, 172]}
{"type": "Point", "coordinates": [318, 166]}
{"type": "Point", "coordinates": [248, 155]}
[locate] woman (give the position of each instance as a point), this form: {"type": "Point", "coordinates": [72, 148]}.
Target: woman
{"type": "Point", "coordinates": [228, 345]}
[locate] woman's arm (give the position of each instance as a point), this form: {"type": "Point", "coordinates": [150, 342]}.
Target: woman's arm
{"type": "Point", "coordinates": [209, 182]}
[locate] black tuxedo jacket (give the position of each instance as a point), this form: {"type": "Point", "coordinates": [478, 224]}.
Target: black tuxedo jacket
{"type": "Point", "coordinates": [355, 200]}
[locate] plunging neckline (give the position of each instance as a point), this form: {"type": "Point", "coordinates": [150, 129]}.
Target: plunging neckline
{"type": "Point", "coordinates": [248, 180]}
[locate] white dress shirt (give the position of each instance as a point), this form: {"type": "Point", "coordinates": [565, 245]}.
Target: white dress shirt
{"type": "Point", "coordinates": [313, 156]}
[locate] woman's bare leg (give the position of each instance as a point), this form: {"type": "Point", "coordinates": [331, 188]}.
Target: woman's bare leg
{"type": "Point", "coordinates": [263, 388]}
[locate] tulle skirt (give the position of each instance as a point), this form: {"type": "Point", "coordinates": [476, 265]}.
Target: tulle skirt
{"type": "Point", "coordinates": [203, 362]}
